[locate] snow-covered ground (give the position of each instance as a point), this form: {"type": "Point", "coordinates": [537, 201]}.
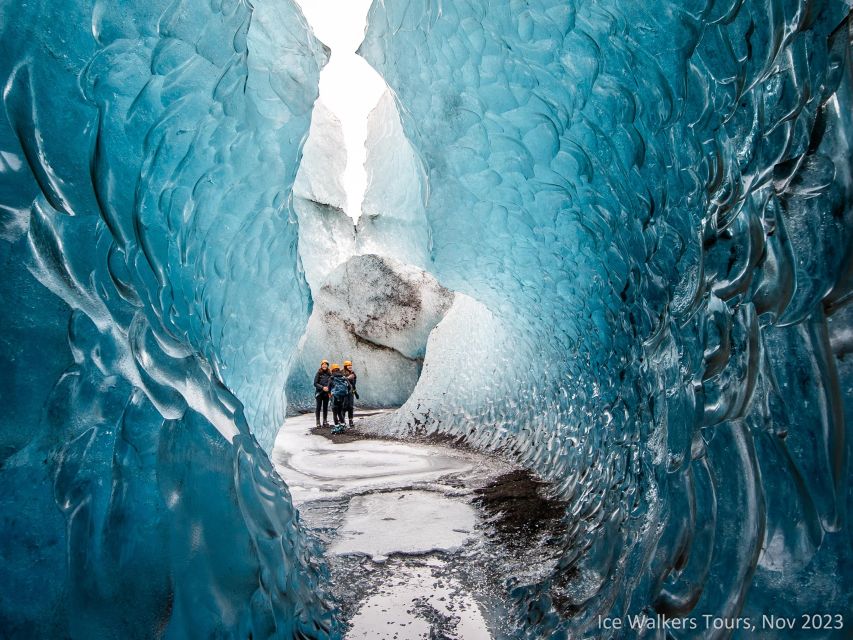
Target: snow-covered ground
{"type": "Point", "coordinates": [411, 544]}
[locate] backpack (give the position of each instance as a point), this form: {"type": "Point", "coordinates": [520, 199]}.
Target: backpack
{"type": "Point", "coordinates": [340, 387]}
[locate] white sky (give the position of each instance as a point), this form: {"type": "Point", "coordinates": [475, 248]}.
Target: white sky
{"type": "Point", "coordinates": [349, 87]}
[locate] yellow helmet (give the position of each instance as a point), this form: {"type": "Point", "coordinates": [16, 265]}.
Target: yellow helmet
{"type": "Point", "coordinates": [347, 363]}
{"type": "Point", "coordinates": [336, 367]}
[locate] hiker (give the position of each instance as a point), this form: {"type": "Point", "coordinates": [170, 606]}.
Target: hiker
{"type": "Point", "coordinates": [340, 389]}
{"type": "Point", "coordinates": [322, 380]}
{"type": "Point", "coordinates": [350, 375]}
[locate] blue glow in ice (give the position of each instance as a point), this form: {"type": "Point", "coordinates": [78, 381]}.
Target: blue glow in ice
{"type": "Point", "coordinates": [647, 207]}
{"type": "Point", "coordinates": [655, 198]}
{"type": "Point", "coordinates": [151, 298]}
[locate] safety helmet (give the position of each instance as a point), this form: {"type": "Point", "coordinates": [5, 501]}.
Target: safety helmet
{"type": "Point", "coordinates": [322, 362]}
{"type": "Point", "coordinates": [347, 363]}
{"type": "Point", "coordinates": [336, 367]}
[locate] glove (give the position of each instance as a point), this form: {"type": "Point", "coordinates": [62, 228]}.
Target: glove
{"type": "Point", "coordinates": [356, 395]}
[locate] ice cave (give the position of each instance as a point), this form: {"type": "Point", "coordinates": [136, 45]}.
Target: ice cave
{"type": "Point", "coordinates": [605, 245]}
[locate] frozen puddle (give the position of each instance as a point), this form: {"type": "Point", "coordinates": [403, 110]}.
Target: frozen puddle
{"type": "Point", "coordinates": [405, 541]}
{"type": "Point", "coordinates": [316, 468]}
{"type": "Point", "coordinates": [411, 522]}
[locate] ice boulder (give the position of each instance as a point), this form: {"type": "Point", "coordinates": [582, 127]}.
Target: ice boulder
{"type": "Point", "coordinates": [377, 312]}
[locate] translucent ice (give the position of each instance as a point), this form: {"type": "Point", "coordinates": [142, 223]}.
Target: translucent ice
{"type": "Point", "coordinates": [647, 206]}
{"type": "Point", "coordinates": [653, 199]}
{"type": "Point", "coordinates": [151, 300]}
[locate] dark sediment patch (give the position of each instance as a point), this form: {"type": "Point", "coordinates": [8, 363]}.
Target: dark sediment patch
{"type": "Point", "coordinates": [350, 434]}
{"type": "Point", "coordinates": [517, 504]}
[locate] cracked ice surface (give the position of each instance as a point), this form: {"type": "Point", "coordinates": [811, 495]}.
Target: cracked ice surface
{"type": "Point", "coordinates": [654, 200]}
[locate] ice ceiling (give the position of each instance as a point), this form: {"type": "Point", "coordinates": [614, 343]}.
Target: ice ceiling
{"type": "Point", "coordinates": [647, 208]}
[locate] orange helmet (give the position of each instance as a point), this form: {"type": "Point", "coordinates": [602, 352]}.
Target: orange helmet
{"type": "Point", "coordinates": [347, 363]}
{"type": "Point", "coordinates": [336, 367]}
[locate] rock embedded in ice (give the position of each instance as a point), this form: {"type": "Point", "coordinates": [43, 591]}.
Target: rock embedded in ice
{"type": "Point", "coordinates": [386, 302]}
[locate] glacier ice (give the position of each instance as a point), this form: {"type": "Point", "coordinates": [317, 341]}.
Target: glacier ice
{"type": "Point", "coordinates": [148, 151]}
{"type": "Point", "coordinates": [654, 200]}
{"type": "Point", "coordinates": [326, 232]}
{"type": "Point", "coordinates": [394, 222]}
{"type": "Point", "coordinates": [379, 313]}
{"type": "Point", "coordinates": [645, 211]}
{"type": "Point", "coordinates": [372, 301]}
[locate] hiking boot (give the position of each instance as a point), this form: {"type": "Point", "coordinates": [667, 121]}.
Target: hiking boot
{"type": "Point", "coordinates": [351, 424]}
{"type": "Point", "coordinates": [325, 424]}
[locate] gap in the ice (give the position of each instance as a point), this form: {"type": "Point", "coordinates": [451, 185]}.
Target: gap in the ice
{"type": "Point", "coordinates": [349, 86]}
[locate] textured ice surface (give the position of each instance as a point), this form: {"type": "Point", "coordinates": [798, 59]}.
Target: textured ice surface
{"type": "Point", "coordinates": [394, 222]}
{"type": "Point", "coordinates": [378, 313]}
{"type": "Point", "coordinates": [326, 232]}
{"type": "Point", "coordinates": [654, 200]}
{"type": "Point", "coordinates": [151, 299]}
{"type": "Point", "coordinates": [651, 199]}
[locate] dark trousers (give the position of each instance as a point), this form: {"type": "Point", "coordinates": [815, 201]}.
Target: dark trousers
{"type": "Point", "coordinates": [338, 409]}
{"type": "Point", "coordinates": [322, 401]}
{"type": "Point", "coordinates": [350, 406]}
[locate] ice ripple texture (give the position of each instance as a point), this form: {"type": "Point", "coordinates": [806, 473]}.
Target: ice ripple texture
{"type": "Point", "coordinates": [147, 151]}
{"type": "Point", "coordinates": [656, 199]}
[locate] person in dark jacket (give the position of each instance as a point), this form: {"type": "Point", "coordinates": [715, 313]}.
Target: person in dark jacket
{"type": "Point", "coordinates": [322, 380]}
{"type": "Point", "coordinates": [350, 375]}
{"type": "Point", "coordinates": [339, 387]}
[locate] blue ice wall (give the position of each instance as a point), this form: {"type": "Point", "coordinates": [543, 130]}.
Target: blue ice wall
{"type": "Point", "coordinates": [656, 196]}
{"type": "Point", "coordinates": [150, 300]}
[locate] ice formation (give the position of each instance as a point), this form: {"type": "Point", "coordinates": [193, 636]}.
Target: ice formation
{"type": "Point", "coordinates": [151, 301]}
{"type": "Point", "coordinates": [326, 232]}
{"type": "Point", "coordinates": [394, 222]}
{"type": "Point", "coordinates": [654, 200]}
{"type": "Point", "coordinates": [385, 254]}
{"type": "Point", "coordinates": [645, 207]}
{"type": "Point", "coordinates": [378, 313]}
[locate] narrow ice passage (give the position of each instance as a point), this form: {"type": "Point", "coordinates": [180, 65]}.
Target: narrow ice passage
{"type": "Point", "coordinates": [609, 241]}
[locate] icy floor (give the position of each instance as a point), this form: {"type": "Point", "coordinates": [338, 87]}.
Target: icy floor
{"type": "Point", "coordinates": [412, 550]}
